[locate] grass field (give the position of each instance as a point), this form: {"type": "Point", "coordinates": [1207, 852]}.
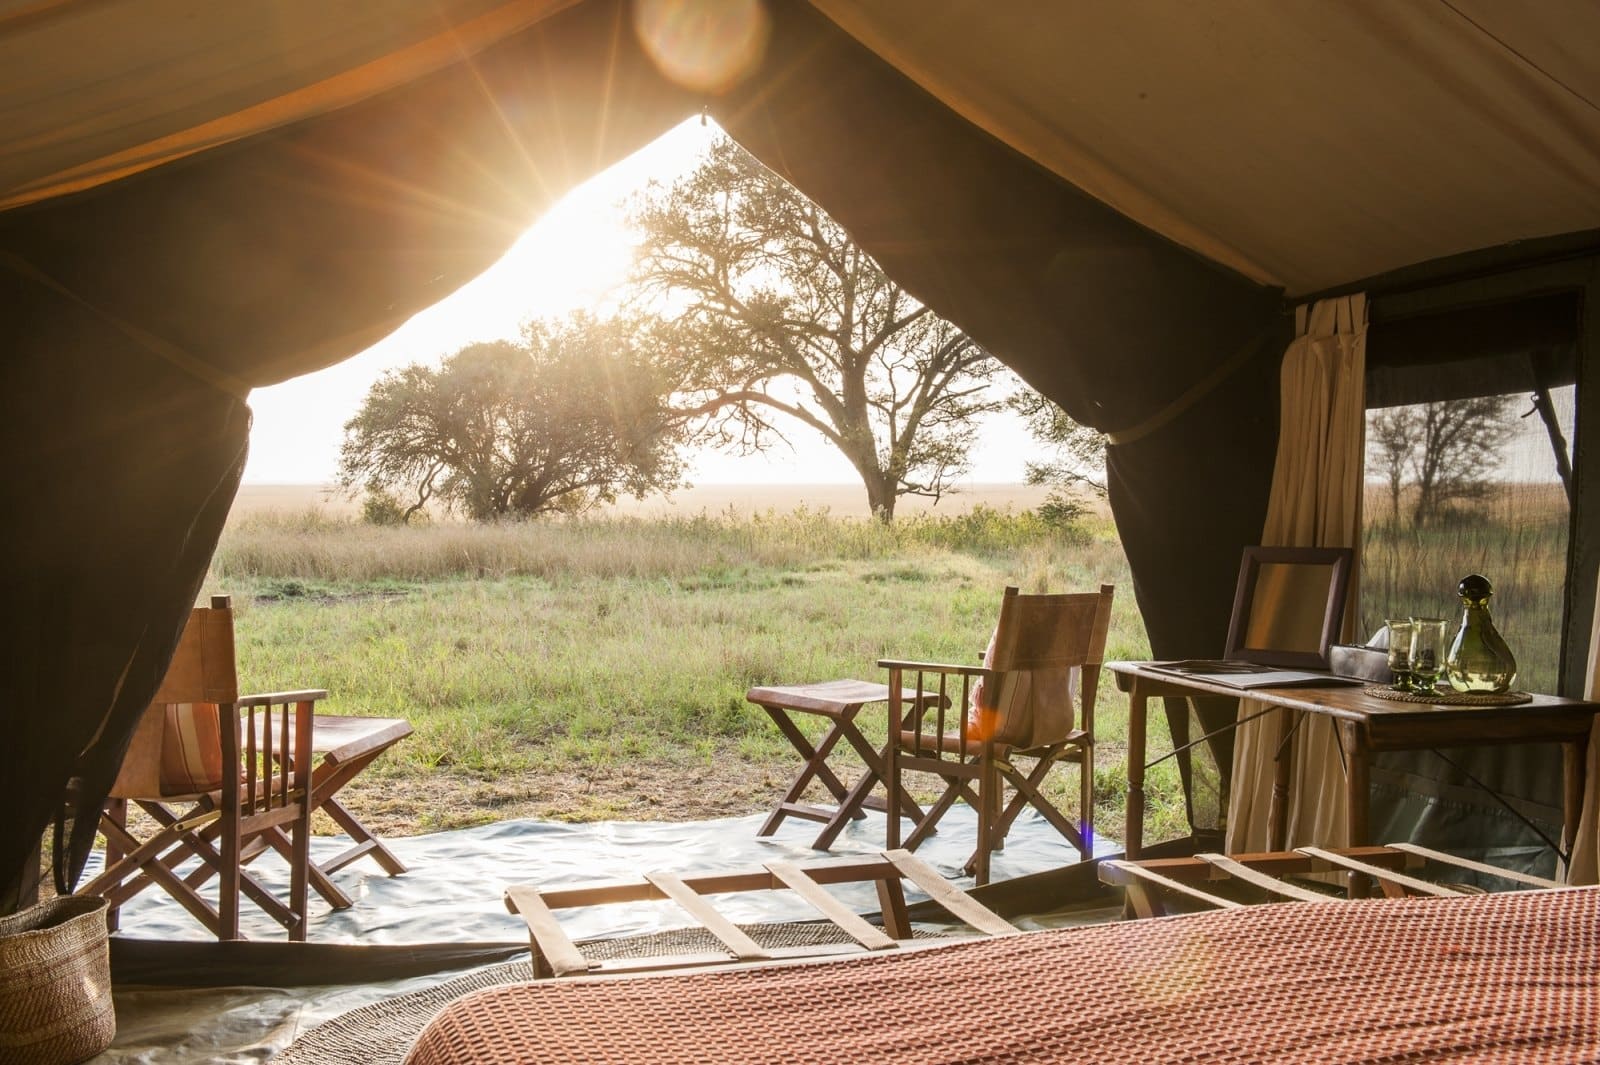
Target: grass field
{"type": "Point", "coordinates": [596, 668]}
{"type": "Point", "coordinates": [1517, 538]}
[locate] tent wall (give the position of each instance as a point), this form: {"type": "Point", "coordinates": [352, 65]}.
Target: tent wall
{"type": "Point", "coordinates": [1120, 326]}
{"type": "Point", "coordinates": [139, 313]}
{"type": "Point", "coordinates": [1465, 337]}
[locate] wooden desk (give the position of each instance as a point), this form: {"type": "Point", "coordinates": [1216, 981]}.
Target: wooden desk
{"type": "Point", "coordinates": [1364, 724]}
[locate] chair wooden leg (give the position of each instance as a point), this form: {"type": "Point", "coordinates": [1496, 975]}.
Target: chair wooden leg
{"type": "Point", "coordinates": [892, 787]}
{"type": "Point", "coordinates": [955, 788]}
{"type": "Point", "coordinates": [299, 880]}
{"type": "Point", "coordinates": [117, 814]}
{"type": "Point", "coordinates": [228, 880]}
{"type": "Point", "coordinates": [321, 883]}
{"type": "Point", "coordinates": [987, 820]}
{"type": "Point", "coordinates": [1086, 798]}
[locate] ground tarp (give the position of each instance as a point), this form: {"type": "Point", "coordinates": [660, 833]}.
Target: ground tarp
{"type": "Point", "coordinates": [452, 894]}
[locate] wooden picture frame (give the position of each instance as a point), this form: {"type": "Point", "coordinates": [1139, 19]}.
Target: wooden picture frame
{"type": "Point", "coordinates": [1288, 605]}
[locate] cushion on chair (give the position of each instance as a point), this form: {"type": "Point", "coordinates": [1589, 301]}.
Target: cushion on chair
{"type": "Point", "coordinates": [191, 754]}
{"type": "Point", "coordinates": [1025, 708]}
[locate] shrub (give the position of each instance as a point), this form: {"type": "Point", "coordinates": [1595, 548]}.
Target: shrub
{"type": "Point", "coordinates": [382, 508]}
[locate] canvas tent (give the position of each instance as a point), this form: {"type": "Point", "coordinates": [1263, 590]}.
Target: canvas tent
{"type": "Point", "coordinates": [1123, 202]}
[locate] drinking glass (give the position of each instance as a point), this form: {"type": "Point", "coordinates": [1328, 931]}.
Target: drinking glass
{"type": "Point", "coordinates": [1427, 653]}
{"type": "Point", "coordinates": [1400, 653]}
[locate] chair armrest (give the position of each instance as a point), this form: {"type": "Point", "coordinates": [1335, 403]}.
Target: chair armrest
{"type": "Point", "coordinates": [310, 695]}
{"type": "Point", "coordinates": [935, 667]}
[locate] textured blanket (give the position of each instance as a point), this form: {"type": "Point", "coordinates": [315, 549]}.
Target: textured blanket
{"type": "Point", "coordinates": [1494, 978]}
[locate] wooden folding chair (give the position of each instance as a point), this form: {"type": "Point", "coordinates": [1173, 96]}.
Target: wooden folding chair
{"type": "Point", "coordinates": [217, 772]}
{"type": "Point", "coordinates": [1032, 698]}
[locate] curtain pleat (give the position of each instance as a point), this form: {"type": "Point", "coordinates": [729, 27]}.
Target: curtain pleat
{"type": "Point", "coordinates": [1315, 502]}
{"type": "Point", "coordinates": [1583, 865]}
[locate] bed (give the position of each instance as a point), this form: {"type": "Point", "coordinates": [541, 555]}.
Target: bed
{"type": "Point", "coordinates": [1507, 977]}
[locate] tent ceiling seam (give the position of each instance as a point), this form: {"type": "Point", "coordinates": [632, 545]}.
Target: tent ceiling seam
{"type": "Point", "coordinates": [164, 349]}
{"type": "Point", "coordinates": [1529, 63]}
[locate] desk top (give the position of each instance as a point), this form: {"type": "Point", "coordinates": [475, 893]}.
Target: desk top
{"type": "Point", "coordinates": [1546, 717]}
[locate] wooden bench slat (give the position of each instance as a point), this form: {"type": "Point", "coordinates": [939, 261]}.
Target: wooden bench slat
{"type": "Point", "coordinates": [1132, 871]}
{"type": "Point", "coordinates": [948, 895]}
{"type": "Point", "coordinates": [847, 919]}
{"type": "Point", "coordinates": [558, 950]}
{"type": "Point", "coordinates": [743, 947]}
{"type": "Point", "coordinates": [1477, 867]}
{"type": "Point", "coordinates": [1261, 880]}
{"type": "Point", "coordinates": [1389, 876]}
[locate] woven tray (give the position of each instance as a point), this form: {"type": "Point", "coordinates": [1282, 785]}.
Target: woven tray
{"type": "Point", "coordinates": [1452, 699]}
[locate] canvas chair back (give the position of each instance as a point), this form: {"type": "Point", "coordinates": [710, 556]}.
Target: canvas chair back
{"type": "Point", "coordinates": [177, 748]}
{"type": "Point", "coordinates": [1041, 646]}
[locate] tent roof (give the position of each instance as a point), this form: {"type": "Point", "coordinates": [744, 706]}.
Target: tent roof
{"type": "Point", "coordinates": [1305, 145]}
{"type": "Point", "coordinates": [97, 91]}
{"type": "Point", "coordinates": [1040, 174]}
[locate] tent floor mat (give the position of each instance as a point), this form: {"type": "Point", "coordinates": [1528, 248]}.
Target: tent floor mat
{"type": "Point", "coordinates": [382, 1033]}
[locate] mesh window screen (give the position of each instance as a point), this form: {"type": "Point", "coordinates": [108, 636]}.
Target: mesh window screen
{"type": "Point", "coordinates": [1476, 485]}
{"type": "Point", "coordinates": [1469, 470]}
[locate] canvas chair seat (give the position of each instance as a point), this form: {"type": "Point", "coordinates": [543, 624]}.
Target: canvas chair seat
{"type": "Point", "coordinates": [952, 743]}
{"type": "Point", "coordinates": [1033, 697]}
{"type": "Point", "coordinates": [223, 776]}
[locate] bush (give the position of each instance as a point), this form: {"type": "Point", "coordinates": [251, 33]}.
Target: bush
{"type": "Point", "coordinates": [382, 508]}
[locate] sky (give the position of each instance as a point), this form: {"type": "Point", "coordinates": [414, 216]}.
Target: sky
{"type": "Point", "coordinates": [570, 259]}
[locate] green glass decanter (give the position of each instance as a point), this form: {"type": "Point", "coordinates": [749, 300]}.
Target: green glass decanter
{"type": "Point", "coordinates": [1479, 660]}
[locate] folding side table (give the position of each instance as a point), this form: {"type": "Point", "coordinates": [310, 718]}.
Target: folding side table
{"type": "Point", "coordinates": [839, 701]}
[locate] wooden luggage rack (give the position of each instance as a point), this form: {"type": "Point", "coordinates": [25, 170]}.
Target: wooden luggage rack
{"type": "Point", "coordinates": [1153, 886]}
{"type": "Point", "coordinates": [555, 954]}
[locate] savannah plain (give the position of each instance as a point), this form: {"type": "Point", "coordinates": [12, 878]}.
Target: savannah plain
{"type": "Point", "coordinates": [595, 668]}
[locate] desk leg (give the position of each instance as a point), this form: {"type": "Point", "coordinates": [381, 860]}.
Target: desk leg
{"type": "Point", "coordinates": [1357, 795]}
{"type": "Point", "coordinates": [1283, 761]}
{"type": "Point", "coordinates": [1138, 708]}
{"type": "Point", "coordinates": [1574, 757]}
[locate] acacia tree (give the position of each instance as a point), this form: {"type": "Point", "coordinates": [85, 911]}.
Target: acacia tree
{"type": "Point", "coordinates": [569, 417]}
{"type": "Point", "coordinates": [1075, 460]}
{"type": "Point", "coordinates": [1450, 448]}
{"type": "Point", "coordinates": [1459, 447]}
{"type": "Point", "coordinates": [1391, 437]}
{"type": "Point", "coordinates": [775, 313]}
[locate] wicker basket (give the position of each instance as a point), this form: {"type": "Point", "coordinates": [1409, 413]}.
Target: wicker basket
{"type": "Point", "coordinates": [55, 983]}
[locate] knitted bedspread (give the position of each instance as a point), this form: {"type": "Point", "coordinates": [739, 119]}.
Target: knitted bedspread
{"type": "Point", "coordinates": [1490, 978]}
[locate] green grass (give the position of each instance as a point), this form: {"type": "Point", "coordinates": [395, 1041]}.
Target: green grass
{"type": "Point", "coordinates": [565, 655]}
{"type": "Point", "coordinates": [1518, 540]}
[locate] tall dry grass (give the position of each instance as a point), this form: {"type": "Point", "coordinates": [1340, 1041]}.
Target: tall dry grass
{"type": "Point", "coordinates": [1517, 538]}
{"type": "Point", "coordinates": [573, 647]}
{"type": "Point", "coordinates": [314, 545]}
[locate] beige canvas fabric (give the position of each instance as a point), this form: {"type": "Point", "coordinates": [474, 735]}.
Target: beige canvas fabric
{"type": "Point", "coordinates": [1261, 135]}
{"type": "Point", "coordinates": [1315, 502]}
{"type": "Point", "coordinates": [99, 91]}
{"type": "Point", "coordinates": [1229, 127]}
{"type": "Point", "coordinates": [1583, 867]}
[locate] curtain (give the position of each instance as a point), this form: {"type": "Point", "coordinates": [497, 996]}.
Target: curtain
{"type": "Point", "coordinates": [1583, 867]}
{"type": "Point", "coordinates": [1315, 502]}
